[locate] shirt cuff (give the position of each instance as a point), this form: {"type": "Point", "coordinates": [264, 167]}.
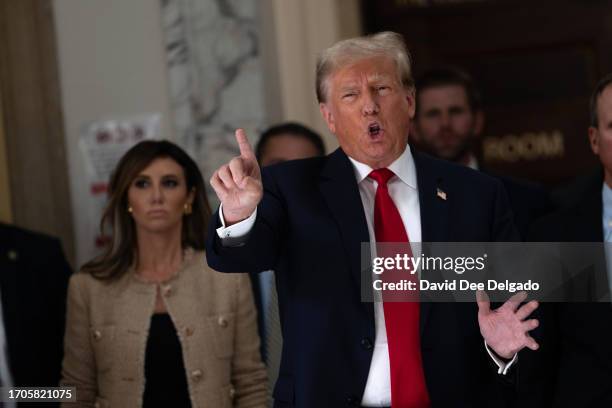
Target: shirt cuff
{"type": "Point", "coordinates": [502, 367]}
{"type": "Point", "coordinates": [235, 235]}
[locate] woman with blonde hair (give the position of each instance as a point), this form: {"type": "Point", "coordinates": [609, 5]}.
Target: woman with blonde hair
{"type": "Point", "coordinates": [148, 323]}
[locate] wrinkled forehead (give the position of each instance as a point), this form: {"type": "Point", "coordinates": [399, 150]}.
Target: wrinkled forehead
{"type": "Point", "coordinates": [351, 71]}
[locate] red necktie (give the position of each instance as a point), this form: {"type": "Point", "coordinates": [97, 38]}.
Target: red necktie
{"type": "Point", "coordinates": [408, 389]}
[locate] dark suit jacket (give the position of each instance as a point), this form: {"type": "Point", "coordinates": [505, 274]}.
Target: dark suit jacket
{"type": "Point", "coordinates": [261, 324]}
{"type": "Point", "coordinates": [529, 202]}
{"type": "Point", "coordinates": [309, 229]}
{"type": "Point", "coordinates": [33, 282]}
{"type": "Point", "coordinates": [580, 364]}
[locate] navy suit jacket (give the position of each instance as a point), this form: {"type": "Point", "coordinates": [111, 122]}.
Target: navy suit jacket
{"type": "Point", "coordinates": [309, 228]}
{"type": "Point", "coordinates": [528, 201]}
{"type": "Point", "coordinates": [576, 357]}
{"type": "Point", "coordinates": [33, 283]}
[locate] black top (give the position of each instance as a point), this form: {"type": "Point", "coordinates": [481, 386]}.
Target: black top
{"type": "Point", "coordinates": [165, 379]}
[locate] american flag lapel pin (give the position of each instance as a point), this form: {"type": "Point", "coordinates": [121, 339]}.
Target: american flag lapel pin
{"type": "Point", "coordinates": [441, 194]}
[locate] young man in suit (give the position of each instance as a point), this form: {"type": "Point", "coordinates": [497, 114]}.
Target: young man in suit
{"type": "Point", "coordinates": [448, 124]}
{"type": "Point", "coordinates": [581, 362]}
{"type": "Point", "coordinates": [277, 144]}
{"type": "Point", "coordinates": [307, 220]}
{"type": "Point", "coordinates": [33, 282]}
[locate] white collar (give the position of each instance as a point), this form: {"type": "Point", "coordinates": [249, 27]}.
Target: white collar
{"type": "Point", "coordinates": [472, 162]}
{"type": "Point", "coordinates": [606, 194]}
{"type": "Point", "coordinates": [403, 167]}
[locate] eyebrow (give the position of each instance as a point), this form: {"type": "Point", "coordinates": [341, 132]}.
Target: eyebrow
{"type": "Point", "coordinates": [144, 175]}
{"type": "Point", "coordinates": [348, 86]}
{"type": "Point", "coordinates": [432, 110]}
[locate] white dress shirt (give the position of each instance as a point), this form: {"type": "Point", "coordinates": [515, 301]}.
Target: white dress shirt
{"type": "Point", "coordinates": [404, 193]}
{"type": "Point", "coordinates": [606, 198]}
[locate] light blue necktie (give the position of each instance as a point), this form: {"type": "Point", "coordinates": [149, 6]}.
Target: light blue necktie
{"type": "Point", "coordinates": [272, 335]}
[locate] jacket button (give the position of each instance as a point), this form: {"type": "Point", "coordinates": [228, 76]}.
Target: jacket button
{"type": "Point", "coordinates": [232, 393]}
{"type": "Point", "coordinates": [366, 344]}
{"type": "Point", "coordinates": [97, 334]}
{"type": "Point", "coordinates": [196, 375]}
{"type": "Point", "coordinates": [222, 321]}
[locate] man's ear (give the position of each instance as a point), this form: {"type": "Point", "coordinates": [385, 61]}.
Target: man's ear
{"type": "Point", "coordinates": [328, 117]}
{"type": "Point", "coordinates": [479, 122]}
{"type": "Point", "coordinates": [594, 139]}
{"type": "Point", "coordinates": [411, 99]}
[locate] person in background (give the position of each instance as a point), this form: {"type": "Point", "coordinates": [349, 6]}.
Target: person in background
{"type": "Point", "coordinates": [288, 141]}
{"type": "Point", "coordinates": [148, 323]}
{"type": "Point", "coordinates": [448, 124]}
{"type": "Point", "coordinates": [277, 144]}
{"type": "Point", "coordinates": [449, 118]}
{"type": "Point", "coordinates": [33, 281]}
{"type": "Point", "coordinates": [581, 364]}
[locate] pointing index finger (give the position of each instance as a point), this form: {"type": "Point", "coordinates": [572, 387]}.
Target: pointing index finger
{"type": "Point", "coordinates": [243, 143]}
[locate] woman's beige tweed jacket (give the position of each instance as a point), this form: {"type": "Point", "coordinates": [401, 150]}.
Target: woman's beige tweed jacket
{"type": "Point", "coordinates": [107, 328]}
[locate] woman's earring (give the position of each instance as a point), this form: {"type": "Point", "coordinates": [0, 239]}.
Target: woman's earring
{"type": "Point", "coordinates": [130, 210]}
{"type": "Point", "coordinates": [187, 209]}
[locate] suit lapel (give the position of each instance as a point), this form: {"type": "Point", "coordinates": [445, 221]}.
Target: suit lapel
{"type": "Point", "coordinates": [434, 212]}
{"type": "Point", "coordinates": [434, 208]}
{"type": "Point", "coordinates": [341, 195]}
{"type": "Point", "coordinates": [587, 223]}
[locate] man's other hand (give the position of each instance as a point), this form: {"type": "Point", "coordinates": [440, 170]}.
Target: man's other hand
{"type": "Point", "coordinates": [506, 329]}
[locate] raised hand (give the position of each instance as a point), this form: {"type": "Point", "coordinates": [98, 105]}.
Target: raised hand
{"type": "Point", "coordinates": [506, 329]}
{"type": "Point", "coordinates": [238, 183]}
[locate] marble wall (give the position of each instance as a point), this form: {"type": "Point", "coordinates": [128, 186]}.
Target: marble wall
{"type": "Point", "coordinates": [215, 75]}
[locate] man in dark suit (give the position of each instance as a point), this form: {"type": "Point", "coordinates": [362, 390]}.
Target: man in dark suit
{"type": "Point", "coordinates": [33, 282]}
{"type": "Point", "coordinates": [581, 362]}
{"type": "Point", "coordinates": [448, 124]}
{"type": "Point", "coordinates": [277, 144]}
{"type": "Point", "coordinates": [307, 219]}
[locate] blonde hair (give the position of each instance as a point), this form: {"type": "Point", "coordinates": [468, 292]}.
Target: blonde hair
{"type": "Point", "coordinates": [344, 52]}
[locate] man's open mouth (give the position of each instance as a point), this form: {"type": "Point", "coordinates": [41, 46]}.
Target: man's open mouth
{"type": "Point", "coordinates": [374, 129]}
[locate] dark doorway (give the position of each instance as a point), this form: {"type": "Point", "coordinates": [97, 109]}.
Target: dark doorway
{"type": "Point", "coordinates": [536, 63]}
